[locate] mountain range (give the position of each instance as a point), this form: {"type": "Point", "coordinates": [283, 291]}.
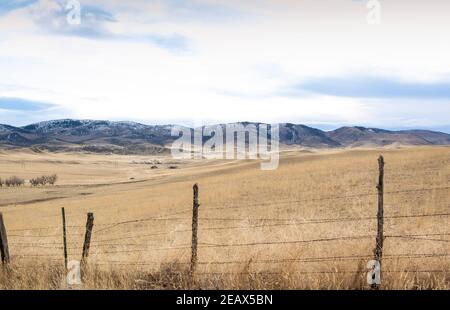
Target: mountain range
{"type": "Point", "coordinates": [135, 138]}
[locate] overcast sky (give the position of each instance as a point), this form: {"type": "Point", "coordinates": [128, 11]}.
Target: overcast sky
{"type": "Point", "coordinates": [317, 62]}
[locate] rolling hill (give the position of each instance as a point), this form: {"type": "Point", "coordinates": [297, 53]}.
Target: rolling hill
{"type": "Point", "coordinates": [135, 138]}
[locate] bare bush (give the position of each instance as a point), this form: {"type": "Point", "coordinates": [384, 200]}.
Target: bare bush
{"type": "Point", "coordinates": [14, 181]}
{"type": "Point", "coordinates": [52, 179]}
{"type": "Point", "coordinates": [44, 180]}
{"type": "Point", "coordinates": [35, 182]}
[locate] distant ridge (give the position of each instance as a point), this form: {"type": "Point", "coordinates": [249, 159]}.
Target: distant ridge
{"type": "Point", "coordinates": [134, 138]}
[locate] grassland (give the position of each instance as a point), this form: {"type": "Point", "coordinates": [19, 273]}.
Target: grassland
{"type": "Point", "coordinates": [309, 224]}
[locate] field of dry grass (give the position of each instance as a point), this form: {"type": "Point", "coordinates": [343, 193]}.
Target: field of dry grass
{"type": "Point", "coordinates": [309, 224]}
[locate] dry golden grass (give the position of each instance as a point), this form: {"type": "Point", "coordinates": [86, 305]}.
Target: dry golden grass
{"type": "Point", "coordinates": [141, 237]}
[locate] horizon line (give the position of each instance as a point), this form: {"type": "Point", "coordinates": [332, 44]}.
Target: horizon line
{"type": "Point", "coordinates": [445, 129]}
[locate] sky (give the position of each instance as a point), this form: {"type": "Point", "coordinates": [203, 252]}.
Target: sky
{"type": "Point", "coordinates": [324, 63]}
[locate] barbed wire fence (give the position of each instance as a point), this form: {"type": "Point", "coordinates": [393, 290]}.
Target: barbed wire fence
{"type": "Point", "coordinates": [46, 237]}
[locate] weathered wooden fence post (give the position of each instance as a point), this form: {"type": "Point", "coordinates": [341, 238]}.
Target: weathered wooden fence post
{"type": "Point", "coordinates": [3, 242]}
{"type": "Point", "coordinates": [194, 230]}
{"type": "Point", "coordinates": [87, 238]}
{"type": "Point", "coordinates": [378, 251]}
{"type": "Point", "coordinates": [63, 213]}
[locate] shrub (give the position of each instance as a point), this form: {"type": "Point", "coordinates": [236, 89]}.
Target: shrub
{"type": "Point", "coordinates": [44, 180]}
{"type": "Point", "coordinates": [34, 182]}
{"type": "Point", "coordinates": [14, 181]}
{"type": "Point", "coordinates": [51, 179]}
{"type": "Point", "coordinates": [38, 181]}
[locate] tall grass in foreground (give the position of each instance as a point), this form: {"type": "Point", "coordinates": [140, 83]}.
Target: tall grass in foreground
{"type": "Point", "coordinates": [44, 276]}
{"type": "Point", "coordinates": [311, 224]}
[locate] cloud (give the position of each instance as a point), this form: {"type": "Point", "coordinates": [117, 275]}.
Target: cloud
{"type": "Point", "coordinates": [200, 10]}
{"type": "Point", "coordinates": [7, 6]}
{"type": "Point", "coordinates": [180, 11]}
{"type": "Point", "coordinates": [371, 87]}
{"type": "Point", "coordinates": [17, 104]}
{"type": "Point", "coordinates": [407, 113]}
{"type": "Point", "coordinates": [22, 111]}
{"type": "Point", "coordinates": [50, 16]}
{"type": "Point", "coordinates": [173, 42]}
{"type": "Point", "coordinates": [93, 13]}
